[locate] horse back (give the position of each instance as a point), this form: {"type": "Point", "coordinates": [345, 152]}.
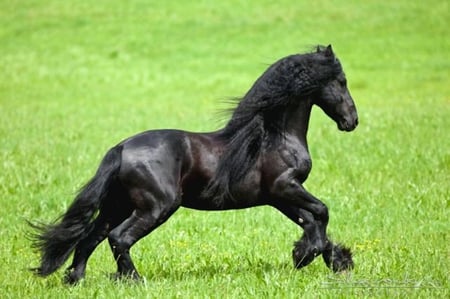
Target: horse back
{"type": "Point", "coordinates": [180, 164]}
{"type": "Point", "coordinates": [171, 162]}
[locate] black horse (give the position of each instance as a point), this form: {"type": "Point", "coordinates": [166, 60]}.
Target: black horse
{"type": "Point", "coordinates": [260, 158]}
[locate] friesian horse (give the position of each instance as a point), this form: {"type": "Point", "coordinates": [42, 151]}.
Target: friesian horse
{"type": "Point", "coordinates": [259, 158]}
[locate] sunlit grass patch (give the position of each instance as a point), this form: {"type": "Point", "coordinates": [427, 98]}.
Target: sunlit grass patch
{"type": "Point", "coordinates": [76, 78]}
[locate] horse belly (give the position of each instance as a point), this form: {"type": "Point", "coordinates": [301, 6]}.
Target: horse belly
{"type": "Point", "coordinates": [245, 195]}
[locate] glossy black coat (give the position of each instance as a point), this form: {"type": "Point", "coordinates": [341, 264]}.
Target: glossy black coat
{"type": "Point", "coordinates": [261, 157]}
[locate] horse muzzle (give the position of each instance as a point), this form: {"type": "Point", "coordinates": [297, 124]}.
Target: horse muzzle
{"type": "Point", "coordinates": [348, 125]}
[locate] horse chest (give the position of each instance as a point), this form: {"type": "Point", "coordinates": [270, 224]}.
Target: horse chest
{"type": "Point", "coordinates": [298, 159]}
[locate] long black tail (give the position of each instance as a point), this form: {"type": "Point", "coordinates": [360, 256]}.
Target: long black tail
{"type": "Point", "coordinates": [56, 241]}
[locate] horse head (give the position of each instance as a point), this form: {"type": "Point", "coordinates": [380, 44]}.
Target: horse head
{"type": "Point", "coordinates": [333, 96]}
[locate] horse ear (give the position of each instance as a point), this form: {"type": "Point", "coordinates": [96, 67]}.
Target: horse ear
{"type": "Point", "coordinates": [329, 51]}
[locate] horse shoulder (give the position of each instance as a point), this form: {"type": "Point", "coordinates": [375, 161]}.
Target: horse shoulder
{"type": "Point", "coordinates": [290, 160]}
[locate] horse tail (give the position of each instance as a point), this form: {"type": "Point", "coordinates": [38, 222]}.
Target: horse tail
{"type": "Point", "coordinates": [56, 241]}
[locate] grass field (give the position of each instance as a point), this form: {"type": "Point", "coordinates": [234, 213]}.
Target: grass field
{"type": "Point", "coordinates": [76, 77]}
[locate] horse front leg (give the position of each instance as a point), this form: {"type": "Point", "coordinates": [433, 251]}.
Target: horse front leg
{"type": "Point", "coordinates": [291, 198]}
{"type": "Point", "coordinates": [287, 190]}
{"type": "Point", "coordinates": [311, 243]}
{"type": "Point", "coordinates": [336, 257]}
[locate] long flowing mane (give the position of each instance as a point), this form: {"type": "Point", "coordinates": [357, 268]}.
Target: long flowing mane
{"type": "Point", "coordinates": [258, 120]}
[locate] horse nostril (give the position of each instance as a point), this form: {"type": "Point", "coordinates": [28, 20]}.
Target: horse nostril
{"type": "Point", "coordinates": [356, 121]}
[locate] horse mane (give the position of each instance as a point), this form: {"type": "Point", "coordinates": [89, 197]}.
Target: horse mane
{"type": "Point", "coordinates": [257, 122]}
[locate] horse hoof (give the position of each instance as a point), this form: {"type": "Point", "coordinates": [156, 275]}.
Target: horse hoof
{"type": "Point", "coordinates": [338, 258]}
{"type": "Point", "coordinates": [72, 277]}
{"type": "Point", "coordinates": [303, 254]}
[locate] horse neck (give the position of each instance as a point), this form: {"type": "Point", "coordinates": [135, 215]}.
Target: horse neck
{"type": "Point", "coordinates": [297, 120]}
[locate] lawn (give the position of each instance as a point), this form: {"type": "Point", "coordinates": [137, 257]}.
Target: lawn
{"type": "Point", "coordinates": [76, 77]}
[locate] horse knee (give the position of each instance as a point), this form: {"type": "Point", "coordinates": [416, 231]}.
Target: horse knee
{"type": "Point", "coordinates": [322, 213]}
{"type": "Point", "coordinates": [117, 242]}
{"type": "Point", "coordinates": [315, 212]}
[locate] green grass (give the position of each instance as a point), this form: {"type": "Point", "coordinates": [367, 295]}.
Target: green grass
{"type": "Point", "coordinates": [76, 77]}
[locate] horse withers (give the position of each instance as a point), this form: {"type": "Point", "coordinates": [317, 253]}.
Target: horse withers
{"type": "Point", "coordinates": [259, 158]}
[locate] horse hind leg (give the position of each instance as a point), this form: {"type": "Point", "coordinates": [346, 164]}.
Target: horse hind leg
{"type": "Point", "coordinates": [108, 218]}
{"type": "Point", "coordinates": [113, 212]}
{"type": "Point", "coordinates": [142, 221]}
{"type": "Point", "coordinates": [84, 249]}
